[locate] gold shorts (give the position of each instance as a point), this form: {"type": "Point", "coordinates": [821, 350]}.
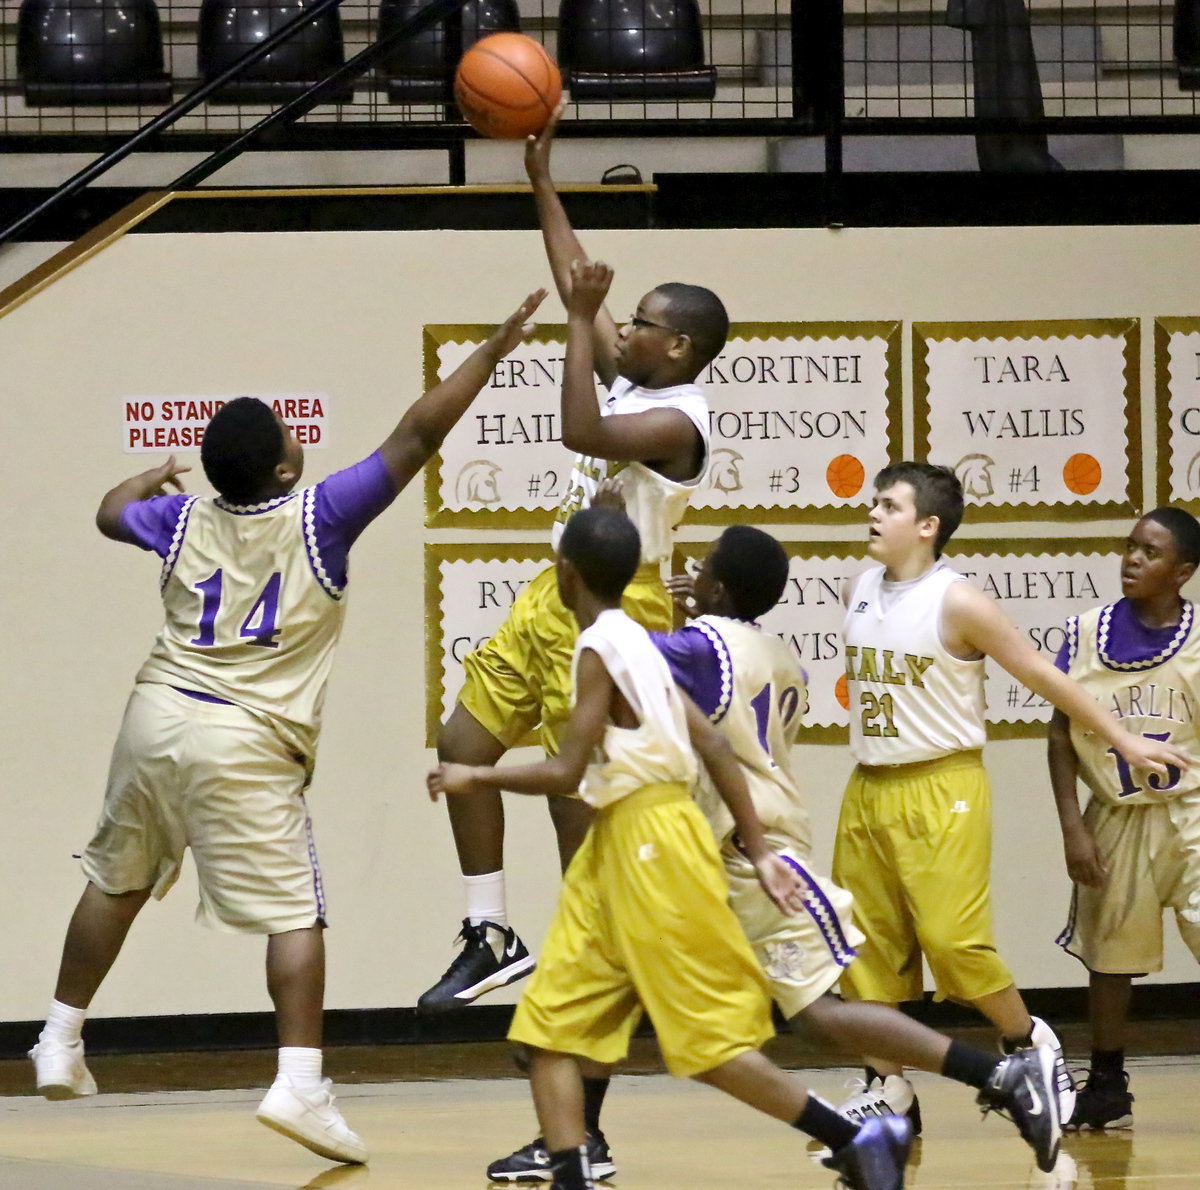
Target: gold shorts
{"type": "Point", "coordinates": [215, 778]}
{"type": "Point", "coordinates": [1153, 854]}
{"type": "Point", "coordinates": [643, 921]}
{"type": "Point", "coordinates": [520, 680]}
{"type": "Point", "coordinates": [914, 848]}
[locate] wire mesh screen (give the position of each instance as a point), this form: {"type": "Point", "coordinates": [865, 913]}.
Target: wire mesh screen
{"type": "Point", "coordinates": [107, 66]}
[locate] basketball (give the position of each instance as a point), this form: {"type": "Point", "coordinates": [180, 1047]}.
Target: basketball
{"type": "Point", "coordinates": [507, 86]}
{"type": "Point", "coordinates": [841, 691]}
{"type": "Point", "coordinates": [1082, 474]}
{"type": "Point", "coordinates": [845, 476]}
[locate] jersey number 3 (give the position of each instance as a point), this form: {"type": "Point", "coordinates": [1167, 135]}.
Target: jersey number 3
{"type": "Point", "coordinates": [1129, 786]}
{"type": "Point", "coordinates": [260, 627]}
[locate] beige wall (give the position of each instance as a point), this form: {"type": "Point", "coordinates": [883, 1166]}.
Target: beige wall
{"type": "Point", "coordinates": [342, 313]}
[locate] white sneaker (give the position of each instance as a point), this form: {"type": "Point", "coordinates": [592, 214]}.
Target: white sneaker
{"type": "Point", "coordinates": [1063, 1083]}
{"type": "Point", "coordinates": [891, 1096]}
{"type": "Point", "coordinates": [61, 1070]}
{"type": "Point", "coordinates": [310, 1118]}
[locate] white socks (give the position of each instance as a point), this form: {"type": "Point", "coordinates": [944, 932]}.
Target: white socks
{"type": "Point", "coordinates": [64, 1023]}
{"type": "Point", "coordinates": [486, 900]}
{"type": "Point", "coordinates": [301, 1065]}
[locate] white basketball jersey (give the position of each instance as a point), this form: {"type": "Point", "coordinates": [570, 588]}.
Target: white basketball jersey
{"type": "Point", "coordinates": [763, 697]}
{"type": "Point", "coordinates": [659, 749]}
{"type": "Point", "coordinates": [1156, 698]}
{"type": "Point", "coordinates": [251, 615]}
{"type": "Point", "coordinates": [910, 699]}
{"type": "Point", "coordinates": [654, 503]}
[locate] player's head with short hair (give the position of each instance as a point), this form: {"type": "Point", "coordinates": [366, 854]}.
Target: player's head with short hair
{"type": "Point", "coordinates": [937, 492]}
{"type": "Point", "coordinates": [1184, 530]}
{"type": "Point", "coordinates": [701, 315]}
{"type": "Point", "coordinates": [242, 446]}
{"type": "Point", "coordinates": [603, 547]}
{"type": "Point", "coordinates": [752, 569]}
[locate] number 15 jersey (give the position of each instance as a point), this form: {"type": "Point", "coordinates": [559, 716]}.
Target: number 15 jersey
{"type": "Point", "coordinates": [910, 698]}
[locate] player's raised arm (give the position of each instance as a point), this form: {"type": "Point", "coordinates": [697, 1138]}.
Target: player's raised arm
{"type": "Point", "coordinates": [973, 620]}
{"type": "Point", "coordinates": [563, 248]}
{"type": "Point", "coordinates": [431, 417]}
{"type": "Point", "coordinates": [137, 487]}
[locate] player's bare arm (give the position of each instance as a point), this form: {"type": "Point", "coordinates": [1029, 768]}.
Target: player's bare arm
{"type": "Point", "coordinates": [431, 417]}
{"type": "Point", "coordinates": [664, 439]}
{"type": "Point", "coordinates": [563, 248]}
{"type": "Point", "coordinates": [779, 881]}
{"type": "Point", "coordinates": [595, 694]}
{"type": "Point", "coordinates": [130, 491]}
{"type": "Point", "coordinates": [974, 625]}
{"type": "Point", "coordinates": [1085, 864]}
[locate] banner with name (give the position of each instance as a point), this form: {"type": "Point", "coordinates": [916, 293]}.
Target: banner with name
{"type": "Point", "coordinates": [1177, 409]}
{"type": "Point", "coordinates": [1036, 418]}
{"type": "Point", "coordinates": [1038, 588]}
{"type": "Point", "coordinates": [802, 417]}
{"type": "Point", "coordinates": [153, 424]}
{"type": "Point", "coordinates": [469, 590]}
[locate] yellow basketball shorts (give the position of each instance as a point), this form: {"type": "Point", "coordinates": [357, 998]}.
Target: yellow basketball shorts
{"type": "Point", "coordinates": [1153, 854]}
{"type": "Point", "coordinates": [643, 921]}
{"type": "Point", "coordinates": [215, 778]}
{"type": "Point", "coordinates": [914, 848]}
{"type": "Point", "coordinates": [803, 955]}
{"type": "Point", "coordinates": [520, 680]}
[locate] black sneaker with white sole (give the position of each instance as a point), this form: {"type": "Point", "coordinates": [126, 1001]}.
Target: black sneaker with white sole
{"type": "Point", "coordinates": [479, 967]}
{"type": "Point", "coordinates": [531, 1163]}
{"type": "Point", "coordinates": [1104, 1103]}
{"type": "Point", "coordinates": [1023, 1087]}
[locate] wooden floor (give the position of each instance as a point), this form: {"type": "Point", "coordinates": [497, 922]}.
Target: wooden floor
{"type": "Point", "coordinates": [666, 1135]}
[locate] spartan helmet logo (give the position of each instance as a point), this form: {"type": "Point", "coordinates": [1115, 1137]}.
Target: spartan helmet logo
{"type": "Point", "coordinates": [975, 474]}
{"type": "Point", "coordinates": [1193, 473]}
{"type": "Point", "coordinates": [723, 470]}
{"type": "Point", "coordinates": [476, 483]}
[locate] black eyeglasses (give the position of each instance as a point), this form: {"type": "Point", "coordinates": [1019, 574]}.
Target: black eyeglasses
{"type": "Point", "coordinates": [638, 323]}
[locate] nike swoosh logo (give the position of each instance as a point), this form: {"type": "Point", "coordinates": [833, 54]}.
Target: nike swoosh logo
{"type": "Point", "coordinates": [1036, 1109]}
{"type": "Point", "coordinates": [511, 949]}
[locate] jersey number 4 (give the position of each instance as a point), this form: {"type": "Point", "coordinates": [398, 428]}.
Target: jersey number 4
{"type": "Point", "coordinates": [260, 627]}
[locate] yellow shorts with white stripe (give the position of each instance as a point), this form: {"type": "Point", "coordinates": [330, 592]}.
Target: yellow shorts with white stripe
{"type": "Point", "coordinates": [520, 680]}
{"type": "Point", "coordinates": [914, 848]}
{"type": "Point", "coordinates": [643, 921]}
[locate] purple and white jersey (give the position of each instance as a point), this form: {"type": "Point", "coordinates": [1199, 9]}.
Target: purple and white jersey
{"type": "Point", "coordinates": [254, 595]}
{"type": "Point", "coordinates": [1149, 679]}
{"type": "Point", "coordinates": [754, 692]}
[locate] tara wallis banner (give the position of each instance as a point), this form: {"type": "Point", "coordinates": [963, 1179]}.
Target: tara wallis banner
{"type": "Point", "coordinates": [802, 416]}
{"type": "Point", "coordinates": [1038, 419]}
{"type": "Point", "coordinates": [1177, 408]}
{"type": "Point", "coordinates": [1037, 588]}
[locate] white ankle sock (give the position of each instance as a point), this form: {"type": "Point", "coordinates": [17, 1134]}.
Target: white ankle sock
{"type": "Point", "coordinates": [486, 900]}
{"type": "Point", "coordinates": [64, 1023]}
{"type": "Point", "coordinates": [301, 1064]}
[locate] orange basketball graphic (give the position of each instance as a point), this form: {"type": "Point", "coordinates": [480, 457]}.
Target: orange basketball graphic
{"type": "Point", "coordinates": [845, 476]}
{"type": "Point", "coordinates": [1082, 474]}
{"type": "Point", "coordinates": [841, 691]}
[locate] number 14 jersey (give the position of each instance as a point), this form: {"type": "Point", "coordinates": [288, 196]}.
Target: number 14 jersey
{"type": "Point", "coordinates": [910, 698]}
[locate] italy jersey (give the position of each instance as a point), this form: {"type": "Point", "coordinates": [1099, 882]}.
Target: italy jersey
{"type": "Point", "coordinates": [1149, 679]}
{"type": "Point", "coordinates": [254, 595]}
{"type": "Point", "coordinates": [910, 698]}
{"type": "Point", "coordinates": [753, 690]}
{"type": "Point", "coordinates": [659, 749]}
{"type": "Point", "coordinates": [654, 503]}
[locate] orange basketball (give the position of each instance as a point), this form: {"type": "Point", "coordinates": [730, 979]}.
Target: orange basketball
{"type": "Point", "coordinates": [845, 475]}
{"type": "Point", "coordinates": [841, 691]}
{"type": "Point", "coordinates": [1082, 474]}
{"type": "Point", "coordinates": [507, 86]}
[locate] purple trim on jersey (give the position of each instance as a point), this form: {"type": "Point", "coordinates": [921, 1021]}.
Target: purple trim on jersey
{"type": "Point", "coordinates": [200, 696]}
{"type": "Point", "coordinates": [1070, 646]}
{"type": "Point", "coordinates": [337, 510]}
{"type": "Point", "coordinates": [691, 655]}
{"type": "Point", "coordinates": [152, 523]}
{"type": "Point", "coordinates": [1124, 641]}
{"type": "Point", "coordinates": [252, 509]}
{"type": "Point", "coordinates": [172, 554]}
{"type": "Point", "coordinates": [824, 915]}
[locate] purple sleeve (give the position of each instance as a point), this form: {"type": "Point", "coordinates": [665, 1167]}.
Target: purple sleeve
{"type": "Point", "coordinates": [151, 523]}
{"type": "Point", "coordinates": [694, 665]}
{"type": "Point", "coordinates": [344, 504]}
{"type": "Point", "coordinates": [1063, 660]}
